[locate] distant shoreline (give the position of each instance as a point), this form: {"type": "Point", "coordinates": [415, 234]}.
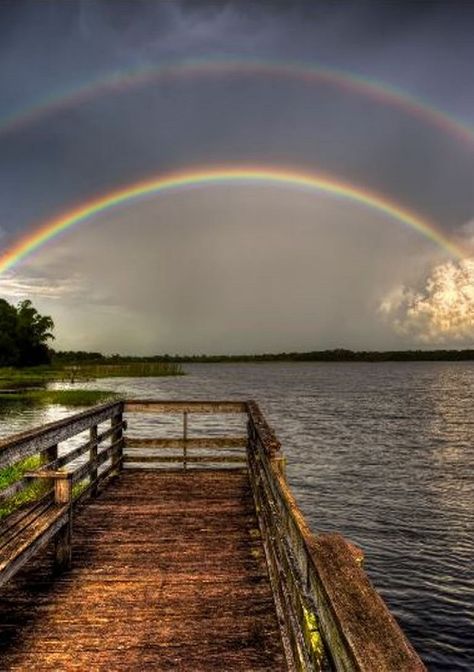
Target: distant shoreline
{"type": "Point", "coordinates": [336, 355]}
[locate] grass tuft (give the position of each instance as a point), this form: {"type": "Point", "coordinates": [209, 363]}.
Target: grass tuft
{"type": "Point", "coordinates": [30, 493]}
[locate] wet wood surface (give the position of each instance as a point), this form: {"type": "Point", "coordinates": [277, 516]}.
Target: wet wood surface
{"type": "Point", "coordinates": [168, 573]}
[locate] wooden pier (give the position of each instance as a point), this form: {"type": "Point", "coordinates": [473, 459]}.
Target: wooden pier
{"type": "Point", "coordinates": [140, 548]}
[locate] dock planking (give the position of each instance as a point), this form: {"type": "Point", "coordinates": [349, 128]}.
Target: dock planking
{"type": "Point", "coordinates": [188, 552]}
{"type": "Point", "coordinates": [168, 573]}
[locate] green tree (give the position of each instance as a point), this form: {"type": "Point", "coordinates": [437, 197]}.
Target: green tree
{"type": "Point", "coordinates": [9, 352]}
{"type": "Point", "coordinates": [24, 335]}
{"type": "Point", "coordinates": [33, 333]}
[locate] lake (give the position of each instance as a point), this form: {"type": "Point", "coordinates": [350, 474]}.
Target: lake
{"type": "Point", "coordinates": [382, 453]}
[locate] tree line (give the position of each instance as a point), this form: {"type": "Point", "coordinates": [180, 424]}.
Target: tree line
{"type": "Point", "coordinates": [335, 355]}
{"type": "Point", "coordinates": [24, 335]}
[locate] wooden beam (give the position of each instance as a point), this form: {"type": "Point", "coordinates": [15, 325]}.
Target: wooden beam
{"type": "Point", "coordinates": [361, 632]}
{"type": "Point", "coordinates": [102, 456]}
{"type": "Point", "coordinates": [153, 406]}
{"type": "Point", "coordinates": [63, 540]}
{"type": "Point", "coordinates": [221, 459]}
{"type": "Point", "coordinates": [318, 580]}
{"type": "Point", "coordinates": [93, 441]}
{"type": "Point", "coordinates": [209, 442]}
{"type": "Point", "coordinates": [26, 544]}
{"type": "Point", "coordinates": [34, 441]}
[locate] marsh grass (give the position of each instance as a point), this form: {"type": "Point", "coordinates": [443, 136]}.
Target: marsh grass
{"type": "Point", "coordinates": [40, 376]}
{"type": "Point", "coordinates": [123, 370]}
{"type": "Point", "coordinates": [15, 472]}
{"type": "Point", "coordinates": [59, 397]}
{"type": "Point", "coordinates": [29, 494]}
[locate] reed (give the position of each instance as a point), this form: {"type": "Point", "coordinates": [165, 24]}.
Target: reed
{"type": "Point", "coordinates": [39, 376]}
{"type": "Point", "coordinates": [123, 370]}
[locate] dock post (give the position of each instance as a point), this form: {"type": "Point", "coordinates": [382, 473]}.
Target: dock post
{"type": "Point", "coordinates": [185, 438]}
{"type": "Point", "coordinates": [280, 464]}
{"type": "Point", "coordinates": [63, 547]}
{"type": "Point", "coordinates": [92, 459]}
{"type": "Point", "coordinates": [117, 438]}
{"type": "Point", "coordinates": [49, 455]}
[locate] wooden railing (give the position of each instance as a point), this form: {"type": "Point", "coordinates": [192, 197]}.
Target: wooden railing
{"type": "Point", "coordinates": [188, 450]}
{"type": "Point", "coordinates": [330, 612]}
{"type": "Point", "coordinates": [51, 460]}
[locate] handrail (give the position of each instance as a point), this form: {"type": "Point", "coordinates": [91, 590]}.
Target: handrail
{"type": "Point", "coordinates": [45, 442]}
{"type": "Point", "coordinates": [172, 406]}
{"type": "Point", "coordinates": [35, 441]}
{"type": "Point", "coordinates": [325, 600]}
{"type": "Point", "coordinates": [194, 451]}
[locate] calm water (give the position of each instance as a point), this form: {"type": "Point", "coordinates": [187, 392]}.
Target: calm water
{"type": "Point", "coordinates": [379, 452]}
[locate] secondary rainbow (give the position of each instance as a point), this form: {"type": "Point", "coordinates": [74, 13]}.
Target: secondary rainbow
{"type": "Point", "coordinates": [122, 81]}
{"type": "Point", "coordinates": [213, 176]}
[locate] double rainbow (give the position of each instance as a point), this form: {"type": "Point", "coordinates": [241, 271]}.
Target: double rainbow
{"type": "Point", "coordinates": [209, 176]}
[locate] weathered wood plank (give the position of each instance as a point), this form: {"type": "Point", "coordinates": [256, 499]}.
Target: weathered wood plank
{"type": "Point", "coordinates": [153, 406]}
{"type": "Point", "coordinates": [34, 441]}
{"type": "Point", "coordinates": [101, 481]}
{"type": "Point", "coordinates": [28, 542]}
{"type": "Point", "coordinates": [102, 456]}
{"type": "Point", "coordinates": [193, 443]}
{"type": "Point", "coordinates": [364, 635]}
{"type": "Point", "coordinates": [83, 470]}
{"type": "Point", "coordinates": [318, 581]}
{"type": "Point", "coordinates": [318, 584]}
{"type": "Point", "coordinates": [14, 488]}
{"type": "Point", "coordinates": [80, 450]}
{"type": "Point", "coordinates": [8, 534]}
{"type": "Point", "coordinates": [93, 442]}
{"type": "Point", "coordinates": [16, 517]}
{"type": "Point", "coordinates": [217, 459]}
{"type": "Point", "coordinates": [194, 596]}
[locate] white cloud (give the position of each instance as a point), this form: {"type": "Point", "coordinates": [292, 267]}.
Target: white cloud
{"type": "Point", "coordinates": [15, 287]}
{"type": "Point", "coordinates": [442, 312]}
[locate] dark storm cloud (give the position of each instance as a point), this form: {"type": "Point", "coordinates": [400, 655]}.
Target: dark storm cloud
{"type": "Point", "coordinates": [50, 46]}
{"type": "Point", "coordinates": [47, 47]}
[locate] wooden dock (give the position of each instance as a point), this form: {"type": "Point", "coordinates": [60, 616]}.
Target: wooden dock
{"type": "Point", "coordinates": [188, 552]}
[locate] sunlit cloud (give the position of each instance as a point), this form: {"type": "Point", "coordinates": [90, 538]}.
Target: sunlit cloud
{"type": "Point", "coordinates": [442, 312]}
{"type": "Point", "coordinates": [15, 287]}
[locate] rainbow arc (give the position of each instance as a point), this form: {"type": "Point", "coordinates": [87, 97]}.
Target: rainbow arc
{"type": "Point", "coordinates": [214, 176]}
{"type": "Point", "coordinates": [124, 80]}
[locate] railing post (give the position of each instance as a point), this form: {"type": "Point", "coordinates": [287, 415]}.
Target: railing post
{"type": "Point", "coordinates": [63, 548]}
{"type": "Point", "coordinates": [117, 436]}
{"type": "Point", "coordinates": [185, 438]}
{"type": "Point", "coordinates": [280, 464]}
{"type": "Point", "coordinates": [251, 435]}
{"type": "Point", "coordinates": [92, 459]}
{"type": "Point", "coordinates": [49, 455]}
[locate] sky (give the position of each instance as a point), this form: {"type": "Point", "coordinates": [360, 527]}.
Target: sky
{"type": "Point", "coordinates": [99, 95]}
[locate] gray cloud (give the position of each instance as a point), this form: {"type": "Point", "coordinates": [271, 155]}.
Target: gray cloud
{"type": "Point", "coordinates": [240, 268]}
{"type": "Point", "coordinates": [228, 269]}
